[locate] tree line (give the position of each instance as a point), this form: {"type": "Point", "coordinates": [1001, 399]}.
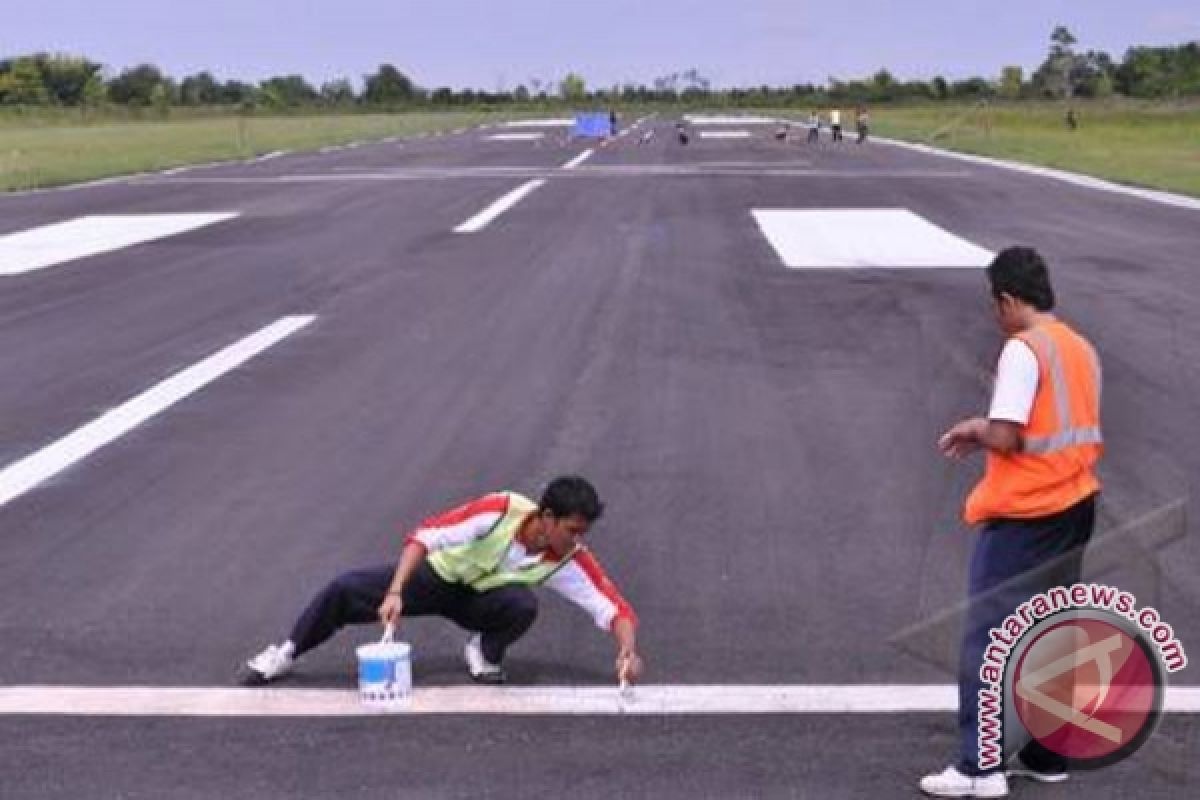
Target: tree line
{"type": "Point", "coordinates": [44, 79]}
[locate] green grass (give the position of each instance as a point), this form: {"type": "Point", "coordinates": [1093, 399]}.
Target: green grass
{"type": "Point", "coordinates": [1140, 144]}
{"type": "Point", "coordinates": [48, 149]}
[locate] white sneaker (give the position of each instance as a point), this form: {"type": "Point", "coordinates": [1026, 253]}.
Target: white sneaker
{"type": "Point", "coordinates": [952, 783]}
{"type": "Point", "coordinates": [482, 670]}
{"type": "Point", "coordinates": [272, 663]}
{"type": "Point", "coordinates": [1019, 770]}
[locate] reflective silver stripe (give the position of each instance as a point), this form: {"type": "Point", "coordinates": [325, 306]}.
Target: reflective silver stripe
{"type": "Point", "coordinates": [1042, 445]}
{"type": "Point", "coordinates": [1097, 371]}
{"type": "Point", "coordinates": [1062, 402]}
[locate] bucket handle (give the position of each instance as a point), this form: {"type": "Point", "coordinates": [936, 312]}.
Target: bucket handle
{"type": "Point", "coordinates": [389, 634]}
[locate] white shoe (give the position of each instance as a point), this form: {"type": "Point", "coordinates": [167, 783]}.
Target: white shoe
{"type": "Point", "coordinates": [272, 663]}
{"type": "Point", "coordinates": [1019, 770]}
{"type": "Point", "coordinates": [482, 670]}
{"type": "Point", "coordinates": [952, 783]}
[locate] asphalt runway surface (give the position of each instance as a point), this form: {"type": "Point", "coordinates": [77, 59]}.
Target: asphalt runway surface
{"type": "Point", "coordinates": [763, 438]}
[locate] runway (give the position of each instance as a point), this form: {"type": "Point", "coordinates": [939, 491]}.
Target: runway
{"type": "Point", "coordinates": [485, 313]}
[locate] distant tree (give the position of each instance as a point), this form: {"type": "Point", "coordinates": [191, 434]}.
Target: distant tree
{"type": "Point", "coordinates": [135, 86]}
{"type": "Point", "coordinates": [21, 83]}
{"type": "Point", "coordinates": [882, 87]}
{"type": "Point", "coordinates": [287, 91]}
{"type": "Point", "coordinates": [94, 92]}
{"type": "Point", "coordinates": [521, 94]}
{"type": "Point", "coordinates": [572, 88]}
{"type": "Point", "coordinates": [200, 89]}
{"type": "Point", "coordinates": [388, 86]}
{"type": "Point", "coordinates": [442, 96]}
{"type": "Point", "coordinates": [941, 89]}
{"type": "Point", "coordinates": [338, 93]}
{"type": "Point", "coordinates": [64, 77]}
{"type": "Point", "coordinates": [237, 93]}
{"type": "Point", "coordinates": [1011, 81]}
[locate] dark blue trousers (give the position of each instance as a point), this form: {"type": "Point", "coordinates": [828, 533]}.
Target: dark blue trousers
{"type": "Point", "coordinates": [1013, 560]}
{"type": "Point", "coordinates": [502, 615]}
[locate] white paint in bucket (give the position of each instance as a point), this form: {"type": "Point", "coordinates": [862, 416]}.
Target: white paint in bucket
{"type": "Point", "coordinates": [385, 673]}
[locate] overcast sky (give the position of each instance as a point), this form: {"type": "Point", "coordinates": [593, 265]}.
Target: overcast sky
{"type": "Point", "coordinates": [491, 44]}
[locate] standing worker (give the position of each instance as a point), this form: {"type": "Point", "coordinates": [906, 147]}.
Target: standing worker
{"type": "Point", "coordinates": [1036, 501]}
{"type": "Point", "coordinates": [835, 124]}
{"type": "Point", "coordinates": [814, 126]}
{"type": "Point", "coordinates": [475, 565]}
{"type": "Point", "coordinates": [862, 121]}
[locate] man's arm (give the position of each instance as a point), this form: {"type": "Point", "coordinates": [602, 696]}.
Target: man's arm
{"type": "Point", "coordinates": [393, 602]}
{"type": "Point", "coordinates": [998, 435]}
{"type": "Point", "coordinates": [584, 583]}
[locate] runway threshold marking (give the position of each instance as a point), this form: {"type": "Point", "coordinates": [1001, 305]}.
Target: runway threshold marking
{"type": "Point", "coordinates": [549, 700]}
{"type": "Point", "coordinates": [29, 472]}
{"type": "Point", "coordinates": [724, 134]}
{"type": "Point", "coordinates": [516, 137]}
{"type": "Point", "coordinates": [483, 218]}
{"type": "Point", "coordinates": [867, 238]}
{"type": "Point", "coordinates": [48, 245]}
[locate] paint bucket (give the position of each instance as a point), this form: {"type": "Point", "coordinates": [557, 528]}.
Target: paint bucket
{"type": "Point", "coordinates": [385, 673]}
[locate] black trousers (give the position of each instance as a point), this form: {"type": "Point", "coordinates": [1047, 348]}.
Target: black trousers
{"type": "Point", "coordinates": [502, 615]}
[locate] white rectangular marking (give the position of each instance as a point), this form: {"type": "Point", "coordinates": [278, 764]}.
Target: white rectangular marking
{"type": "Point", "coordinates": [890, 238]}
{"type": "Point", "coordinates": [579, 159]}
{"type": "Point", "coordinates": [87, 236]}
{"type": "Point", "coordinates": [538, 123]}
{"type": "Point", "coordinates": [481, 220]}
{"type": "Point", "coordinates": [549, 700]}
{"type": "Point", "coordinates": [23, 475]}
{"type": "Point", "coordinates": [516, 137]}
{"type": "Point", "coordinates": [724, 134]}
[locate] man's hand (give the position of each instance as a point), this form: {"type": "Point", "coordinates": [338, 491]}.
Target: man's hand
{"type": "Point", "coordinates": [629, 667]}
{"type": "Point", "coordinates": [391, 609]}
{"type": "Point", "coordinates": [963, 439]}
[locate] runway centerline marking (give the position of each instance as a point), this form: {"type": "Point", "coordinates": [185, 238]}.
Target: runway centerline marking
{"type": "Point", "coordinates": [659, 700]}
{"type": "Point", "coordinates": [29, 472]}
{"type": "Point", "coordinates": [868, 238]}
{"type": "Point", "coordinates": [483, 218]}
{"type": "Point", "coordinates": [48, 245]}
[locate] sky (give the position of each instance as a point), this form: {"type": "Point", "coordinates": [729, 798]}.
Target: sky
{"type": "Point", "coordinates": [493, 44]}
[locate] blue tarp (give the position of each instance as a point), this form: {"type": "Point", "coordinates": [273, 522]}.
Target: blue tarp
{"type": "Point", "coordinates": [592, 123]}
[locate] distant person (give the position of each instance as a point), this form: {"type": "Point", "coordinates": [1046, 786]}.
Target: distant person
{"type": "Point", "coordinates": [835, 124]}
{"type": "Point", "coordinates": [814, 127]}
{"type": "Point", "coordinates": [781, 133]}
{"type": "Point", "coordinates": [612, 122]}
{"type": "Point", "coordinates": [1036, 503]}
{"type": "Point", "coordinates": [862, 122]}
{"type": "Point", "coordinates": [1072, 122]}
{"type": "Point", "coordinates": [681, 132]}
{"type": "Point", "coordinates": [475, 565]}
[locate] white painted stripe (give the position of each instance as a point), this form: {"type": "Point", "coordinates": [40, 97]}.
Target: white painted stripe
{"type": "Point", "coordinates": [538, 123]}
{"type": "Point", "coordinates": [87, 236]}
{"type": "Point", "coordinates": [481, 220]}
{"type": "Point", "coordinates": [550, 700]}
{"type": "Point", "coordinates": [724, 134]}
{"type": "Point", "coordinates": [32, 470]}
{"type": "Point", "coordinates": [888, 238]}
{"type": "Point", "coordinates": [515, 137]}
{"type": "Point", "coordinates": [579, 159]}
{"type": "Point", "coordinates": [701, 119]}
{"type": "Point", "coordinates": [1086, 181]}
{"type": "Point", "coordinates": [270, 156]}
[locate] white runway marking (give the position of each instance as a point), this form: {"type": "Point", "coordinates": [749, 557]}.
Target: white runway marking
{"type": "Point", "coordinates": [538, 123]}
{"type": "Point", "coordinates": [516, 137]}
{"type": "Point", "coordinates": [579, 159]}
{"type": "Point", "coordinates": [700, 119]}
{"type": "Point", "coordinates": [724, 134]}
{"type": "Point", "coordinates": [32, 470]}
{"type": "Point", "coordinates": [87, 236]}
{"type": "Point", "coordinates": [549, 700]}
{"type": "Point", "coordinates": [481, 220]}
{"type": "Point", "coordinates": [888, 238]}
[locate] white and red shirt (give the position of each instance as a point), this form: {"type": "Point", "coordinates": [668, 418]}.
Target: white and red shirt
{"type": "Point", "coordinates": [581, 580]}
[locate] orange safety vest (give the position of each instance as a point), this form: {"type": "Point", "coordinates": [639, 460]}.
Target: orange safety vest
{"type": "Point", "coordinates": [1061, 443]}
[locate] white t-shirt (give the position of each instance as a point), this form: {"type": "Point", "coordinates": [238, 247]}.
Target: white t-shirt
{"type": "Point", "coordinates": [1016, 383]}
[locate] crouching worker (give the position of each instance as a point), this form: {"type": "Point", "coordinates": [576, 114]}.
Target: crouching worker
{"type": "Point", "coordinates": [476, 565]}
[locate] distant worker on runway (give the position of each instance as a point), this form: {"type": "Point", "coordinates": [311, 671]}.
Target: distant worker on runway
{"type": "Point", "coordinates": [835, 124]}
{"type": "Point", "coordinates": [475, 565]}
{"type": "Point", "coordinates": [681, 132]}
{"type": "Point", "coordinates": [814, 127]}
{"type": "Point", "coordinates": [862, 122]}
{"type": "Point", "coordinates": [1036, 502]}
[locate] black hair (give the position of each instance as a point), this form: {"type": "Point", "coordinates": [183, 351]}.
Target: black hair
{"type": "Point", "coordinates": [1021, 273]}
{"type": "Point", "coordinates": [571, 494]}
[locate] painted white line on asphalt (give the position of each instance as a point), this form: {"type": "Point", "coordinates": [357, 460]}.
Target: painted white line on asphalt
{"type": "Point", "coordinates": [538, 123]}
{"type": "Point", "coordinates": [23, 475]}
{"type": "Point", "coordinates": [579, 159]}
{"type": "Point", "coordinates": [700, 119]}
{"type": "Point", "coordinates": [270, 156]}
{"type": "Point", "coordinates": [882, 238]}
{"type": "Point", "coordinates": [550, 700]}
{"type": "Point", "coordinates": [86, 236]}
{"type": "Point", "coordinates": [516, 137]}
{"type": "Point", "coordinates": [724, 134]}
{"type": "Point", "coordinates": [1086, 181]}
{"type": "Point", "coordinates": [481, 220]}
